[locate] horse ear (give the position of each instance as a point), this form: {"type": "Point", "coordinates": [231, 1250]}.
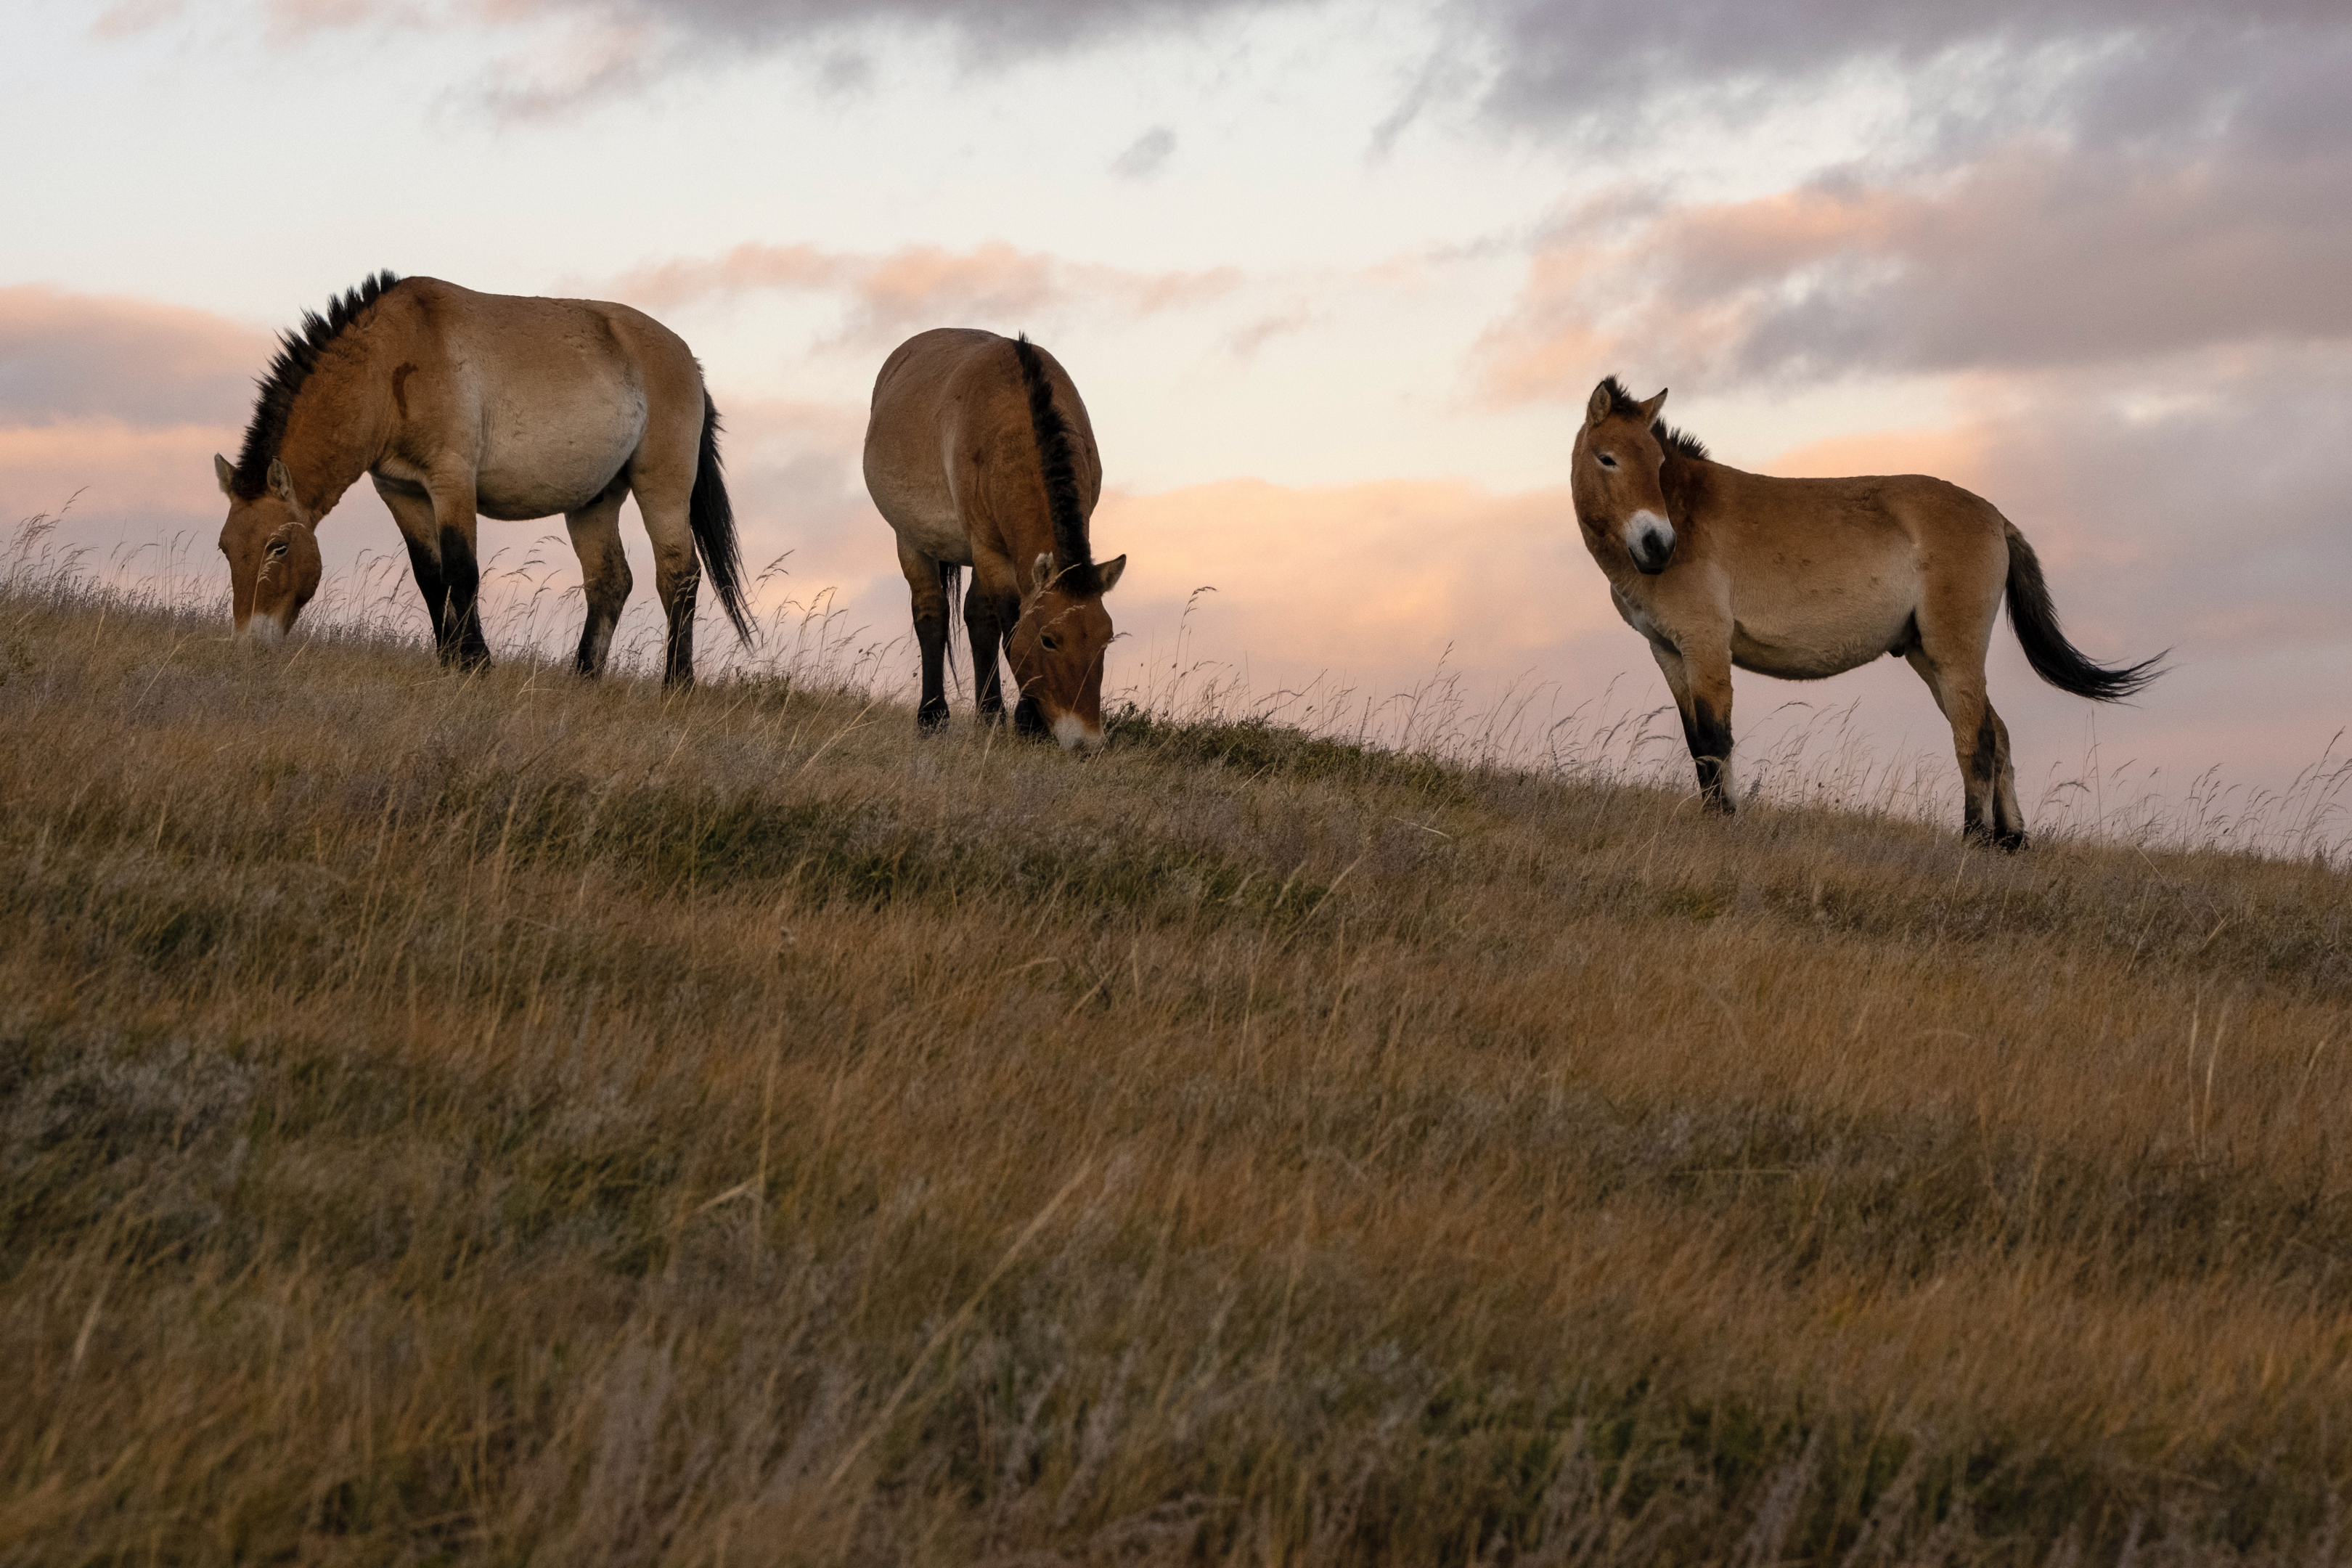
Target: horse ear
{"type": "Point", "coordinates": [1043, 573]}
{"type": "Point", "coordinates": [1110, 570]}
{"type": "Point", "coordinates": [280, 481]}
{"type": "Point", "coordinates": [226, 472]}
{"type": "Point", "coordinates": [1597, 406]}
{"type": "Point", "coordinates": [1650, 409]}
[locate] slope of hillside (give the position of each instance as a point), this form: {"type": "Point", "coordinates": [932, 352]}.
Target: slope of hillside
{"type": "Point", "coordinates": [510, 1118]}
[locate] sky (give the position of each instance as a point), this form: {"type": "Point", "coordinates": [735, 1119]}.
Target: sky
{"type": "Point", "coordinates": [1335, 281]}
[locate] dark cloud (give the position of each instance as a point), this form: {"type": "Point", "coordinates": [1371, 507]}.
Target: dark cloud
{"type": "Point", "coordinates": [2207, 506]}
{"type": "Point", "coordinates": [2127, 67]}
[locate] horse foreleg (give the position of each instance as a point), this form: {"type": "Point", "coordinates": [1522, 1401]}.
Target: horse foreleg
{"type": "Point", "coordinates": [931, 606]}
{"type": "Point", "coordinates": [1703, 696]}
{"type": "Point", "coordinates": [412, 511]}
{"type": "Point", "coordinates": [986, 625]}
{"type": "Point", "coordinates": [457, 621]}
{"type": "Point", "coordinates": [603, 573]}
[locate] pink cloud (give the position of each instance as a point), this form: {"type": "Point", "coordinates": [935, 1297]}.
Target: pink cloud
{"type": "Point", "coordinates": [66, 355]}
{"type": "Point", "coordinates": [891, 294]}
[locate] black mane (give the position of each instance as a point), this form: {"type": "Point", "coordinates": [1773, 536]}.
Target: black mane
{"type": "Point", "coordinates": [298, 356]}
{"type": "Point", "coordinates": [1681, 442]}
{"type": "Point", "coordinates": [1071, 550]}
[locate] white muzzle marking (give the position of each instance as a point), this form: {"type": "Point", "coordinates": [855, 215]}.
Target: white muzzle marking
{"type": "Point", "coordinates": [1649, 539]}
{"type": "Point", "coordinates": [1072, 732]}
{"type": "Point", "coordinates": [263, 631]}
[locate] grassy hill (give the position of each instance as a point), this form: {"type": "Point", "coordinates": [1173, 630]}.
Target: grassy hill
{"type": "Point", "coordinates": [505, 1118]}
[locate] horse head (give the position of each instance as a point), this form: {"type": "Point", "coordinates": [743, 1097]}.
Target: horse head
{"type": "Point", "coordinates": [273, 556]}
{"type": "Point", "coordinates": [1618, 461]}
{"type": "Point", "coordinates": [1056, 649]}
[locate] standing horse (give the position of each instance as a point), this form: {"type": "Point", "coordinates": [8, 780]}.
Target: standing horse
{"type": "Point", "coordinates": [1809, 578]}
{"type": "Point", "coordinates": [979, 454]}
{"type": "Point", "coordinates": [459, 404]}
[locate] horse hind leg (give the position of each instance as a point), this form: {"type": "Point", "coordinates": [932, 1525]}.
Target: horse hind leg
{"type": "Point", "coordinates": [1981, 742]}
{"type": "Point", "coordinates": [2008, 817]}
{"type": "Point", "coordinates": [604, 573]}
{"type": "Point", "coordinates": [664, 491]}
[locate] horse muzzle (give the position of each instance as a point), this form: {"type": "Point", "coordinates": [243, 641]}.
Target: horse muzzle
{"type": "Point", "coordinates": [261, 631]}
{"type": "Point", "coordinates": [1650, 541]}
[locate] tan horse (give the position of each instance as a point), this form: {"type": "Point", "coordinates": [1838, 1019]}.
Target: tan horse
{"type": "Point", "coordinates": [1807, 578]}
{"type": "Point", "coordinates": [979, 454]}
{"type": "Point", "coordinates": [460, 406]}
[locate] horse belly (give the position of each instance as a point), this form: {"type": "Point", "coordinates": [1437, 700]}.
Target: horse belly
{"type": "Point", "coordinates": [1829, 642]}
{"type": "Point", "coordinates": [923, 514]}
{"type": "Point", "coordinates": [555, 455]}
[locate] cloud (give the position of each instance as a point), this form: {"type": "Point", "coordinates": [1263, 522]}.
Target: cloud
{"type": "Point", "coordinates": [576, 51]}
{"type": "Point", "coordinates": [65, 355]}
{"type": "Point", "coordinates": [889, 294]}
{"type": "Point", "coordinates": [1370, 581]}
{"type": "Point", "coordinates": [2029, 258]}
{"type": "Point", "coordinates": [1146, 155]}
{"type": "Point", "coordinates": [2127, 67]}
{"type": "Point", "coordinates": [120, 402]}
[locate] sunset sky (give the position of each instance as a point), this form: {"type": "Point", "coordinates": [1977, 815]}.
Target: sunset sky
{"type": "Point", "coordinates": [1334, 279]}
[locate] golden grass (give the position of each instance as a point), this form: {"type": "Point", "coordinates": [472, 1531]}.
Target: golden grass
{"type": "Point", "coordinates": [503, 1119]}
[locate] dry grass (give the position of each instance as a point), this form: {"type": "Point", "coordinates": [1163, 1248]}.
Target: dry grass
{"type": "Point", "coordinates": [485, 1120]}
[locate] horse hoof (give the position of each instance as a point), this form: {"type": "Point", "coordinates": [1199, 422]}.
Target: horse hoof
{"type": "Point", "coordinates": [931, 717]}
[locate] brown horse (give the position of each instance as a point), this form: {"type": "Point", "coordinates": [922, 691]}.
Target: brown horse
{"type": "Point", "coordinates": [979, 454]}
{"type": "Point", "coordinates": [460, 404]}
{"type": "Point", "coordinates": [1809, 578]}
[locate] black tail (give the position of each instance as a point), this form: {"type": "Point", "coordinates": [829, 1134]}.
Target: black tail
{"type": "Point", "coordinates": [713, 521]}
{"type": "Point", "coordinates": [1061, 470]}
{"type": "Point", "coordinates": [952, 584]}
{"type": "Point", "coordinates": [2035, 619]}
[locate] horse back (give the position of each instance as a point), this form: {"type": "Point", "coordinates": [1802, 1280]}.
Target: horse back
{"type": "Point", "coordinates": [549, 397]}
{"type": "Point", "coordinates": [951, 454]}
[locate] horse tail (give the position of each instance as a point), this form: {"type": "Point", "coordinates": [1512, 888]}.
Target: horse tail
{"type": "Point", "coordinates": [2035, 619]}
{"type": "Point", "coordinates": [712, 517]}
{"type": "Point", "coordinates": [952, 584]}
{"type": "Point", "coordinates": [1060, 467]}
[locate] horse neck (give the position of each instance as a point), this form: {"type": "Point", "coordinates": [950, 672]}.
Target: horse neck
{"type": "Point", "coordinates": [1680, 478]}
{"type": "Point", "coordinates": [335, 431]}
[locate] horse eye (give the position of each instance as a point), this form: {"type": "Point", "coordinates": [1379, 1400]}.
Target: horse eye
{"type": "Point", "coordinates": [1607, 462]}
{"type": "Point", "coordinates": [277, 549]}
{"type": "Point", "coordinates": [1052, 642]}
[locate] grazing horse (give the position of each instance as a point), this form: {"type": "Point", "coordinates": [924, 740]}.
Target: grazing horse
{"type": "Point", "coordinates": [979, 454]}
{"type": "Point", "coordinates": [1809, 578]}
{"type": "Point", "coordinates": [459, 404]}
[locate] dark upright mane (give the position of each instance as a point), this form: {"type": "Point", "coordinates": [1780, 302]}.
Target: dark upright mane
{"type": "Point", "coordinates": [298, 356]}
{"type": "Point", "coordinates": [1074, 554]}
{"type": "Point", "coordinates": [1680, 442]}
